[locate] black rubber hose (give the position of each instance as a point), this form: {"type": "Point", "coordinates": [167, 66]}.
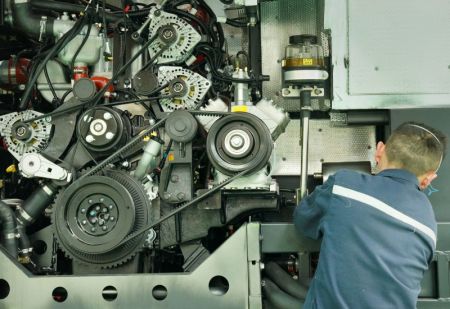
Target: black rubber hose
{"type": "Point", "coordinates": [86, 37]}
{"type": "Point", "coordinates": [279, 299]}
{"type": "Point", "coordinates": [66, 38]}
{"type": "Point", "coordinates": [24, 241]}
{"type": "Point", "coordinates": [59, 6]}
{"type": "Point", "coordinates": [26, 21]}
{"type": "Point", "coordinates": [284, 281]}
{"type": "Point", "coordinates": [8, 221]}
{"type": "Point", "coordinates": [35, 204]}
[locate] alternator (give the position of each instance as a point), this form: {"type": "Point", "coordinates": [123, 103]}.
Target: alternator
{"type": "Point", "coordinates": [23, 137]}
{"type": "Point", "coordinates": [187, 37]}
{"type": "Point", "coordinates": [188, 88]}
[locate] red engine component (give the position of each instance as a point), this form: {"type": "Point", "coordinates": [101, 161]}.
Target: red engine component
{"type": "Point", "coordinates": [13, 72]}
{"type": "Point", "coordinates": [80, 72]}
{"type": "Point", "coordinates": [100, 82]}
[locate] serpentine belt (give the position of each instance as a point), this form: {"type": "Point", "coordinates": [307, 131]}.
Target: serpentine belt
{"type": "Point", "coordinates": [139, 139]}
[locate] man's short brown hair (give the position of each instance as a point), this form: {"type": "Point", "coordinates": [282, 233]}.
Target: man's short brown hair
{"type": "Point", "coordinates": [416, 147]}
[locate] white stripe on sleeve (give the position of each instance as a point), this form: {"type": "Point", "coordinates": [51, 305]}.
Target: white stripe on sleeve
{"type": "Point", "coordinates": [385, 208]}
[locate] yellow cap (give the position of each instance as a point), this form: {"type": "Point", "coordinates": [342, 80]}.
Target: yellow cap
{"type": "Point", "coordinates": [11, 169]}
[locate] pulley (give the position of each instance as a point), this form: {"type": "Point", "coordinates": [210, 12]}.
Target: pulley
{"type": "Point", "coordinates": [103, 129]}
{"type": "Point", "coordinates": [93, 215]}
{"type": "Point", "coordinates": [239, 142]}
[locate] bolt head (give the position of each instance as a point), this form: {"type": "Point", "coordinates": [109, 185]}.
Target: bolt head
{"type": "Point", "coordinates": [104, 228]}
{"type": "Point", "coordinates": [107, 116]}
{"type": "Point", "coordinates": [237, 141]}
{"type": "Point", "coordinates": [178, 87]}
{"type": "Point", "coordinates": [90, 138]}
{"type": "Point", "coordinates": [84, 222]}
{"type": "Point", "coordinates": [21, 131]}
{"type": "Point", "coordinates": [110, 135]}
{"type": "Point", "coordinates": [181, 196]}
{"type": "Point", "coordinates": [168, 33]}
{"type": "Point", "coordinates": [93, 229]}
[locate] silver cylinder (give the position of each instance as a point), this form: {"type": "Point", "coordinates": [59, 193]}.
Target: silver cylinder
{"type": "Point", "coordinates": [304, 158]}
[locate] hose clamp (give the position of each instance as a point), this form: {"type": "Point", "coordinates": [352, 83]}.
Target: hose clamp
{"type": "Point", "coordinates": [24, 214]}
{"type": "Point", "coordinates": [47, 190]}
{"type": "Point", "coordinates": [10, 236]}
{"type": "Point", "coordinates": [43, 25]}
{"type": "Point", "coordinates": [26, 251]}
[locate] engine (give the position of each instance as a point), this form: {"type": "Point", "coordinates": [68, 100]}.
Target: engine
{"type": "Point", "coordinates": [130, 134]}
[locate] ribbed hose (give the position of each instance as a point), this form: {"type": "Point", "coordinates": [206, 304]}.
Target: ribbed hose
{"type": "Point", "coordinates": [8, 223]}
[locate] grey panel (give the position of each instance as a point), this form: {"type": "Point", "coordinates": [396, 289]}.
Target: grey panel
{"type": "Point", "coordinates": [439, 119]}
{"type": "Point", "coordinates": [404, 54]}
{"type": "Point", "coordinates": [387, 54]}
{"type": "Point", "coordinates": [327, 144]}
{"type": "Point", "coordinates": [279, 20]}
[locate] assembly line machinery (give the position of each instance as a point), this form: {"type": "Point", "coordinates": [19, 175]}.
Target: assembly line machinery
{"type": "Point", "coordinates": [152, 152]}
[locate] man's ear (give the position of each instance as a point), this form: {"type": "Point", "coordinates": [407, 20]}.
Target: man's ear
{"type": "Point", "coordinates": [427, 179]}
{"type": "Point", "coordinates": [379, 152]}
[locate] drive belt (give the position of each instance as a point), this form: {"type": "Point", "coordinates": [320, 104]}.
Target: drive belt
{"type": "Point", "coordinates": [139, 139]}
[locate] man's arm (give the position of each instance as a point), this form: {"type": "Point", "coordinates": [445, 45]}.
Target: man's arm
{"type": "Point", "coordinates": [309, 214]}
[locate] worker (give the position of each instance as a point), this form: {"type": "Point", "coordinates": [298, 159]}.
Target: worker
{"type": "Point", "coordinates": [378, 232]}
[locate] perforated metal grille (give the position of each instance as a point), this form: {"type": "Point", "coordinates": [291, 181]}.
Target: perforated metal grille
{"type": "Point", "coordinates": [327, 144]}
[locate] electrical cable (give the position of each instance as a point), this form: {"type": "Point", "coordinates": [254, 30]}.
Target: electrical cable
{"type": "Point", "coordinates": [236, 23]}
{"type": "Point", "coordinates": [63, 98]}
{"type": "Point", "coordinates": [191, 18]}
{"type": "Point", "coordinates": [86, 37]}
{"type": "Point", "coordinates": [50, 85]}
{"type": "Point", "coordinates": [66, 38]}
{"type": "Point", "coordinates": [138, 100]}
{"type": "Point", "coordinates": [216, 74]}
{"type": "Point", "coordinates": [76, 107]}
{"type": "Point", "coordinates": [124, 68]}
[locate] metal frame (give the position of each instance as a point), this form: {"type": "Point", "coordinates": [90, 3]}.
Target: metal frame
{"type": "Point", "coordinates": [237, 260]}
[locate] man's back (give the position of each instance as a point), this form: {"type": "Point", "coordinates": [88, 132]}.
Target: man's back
{"type": "Point", "coordinates": [378, 239]}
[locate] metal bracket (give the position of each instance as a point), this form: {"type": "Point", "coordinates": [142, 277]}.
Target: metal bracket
{"type": "Point", "coordinates": [35, 165]}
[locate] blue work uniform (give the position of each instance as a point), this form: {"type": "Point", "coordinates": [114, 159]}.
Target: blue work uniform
{"type": "Point", "coordinates": [378, 238]}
